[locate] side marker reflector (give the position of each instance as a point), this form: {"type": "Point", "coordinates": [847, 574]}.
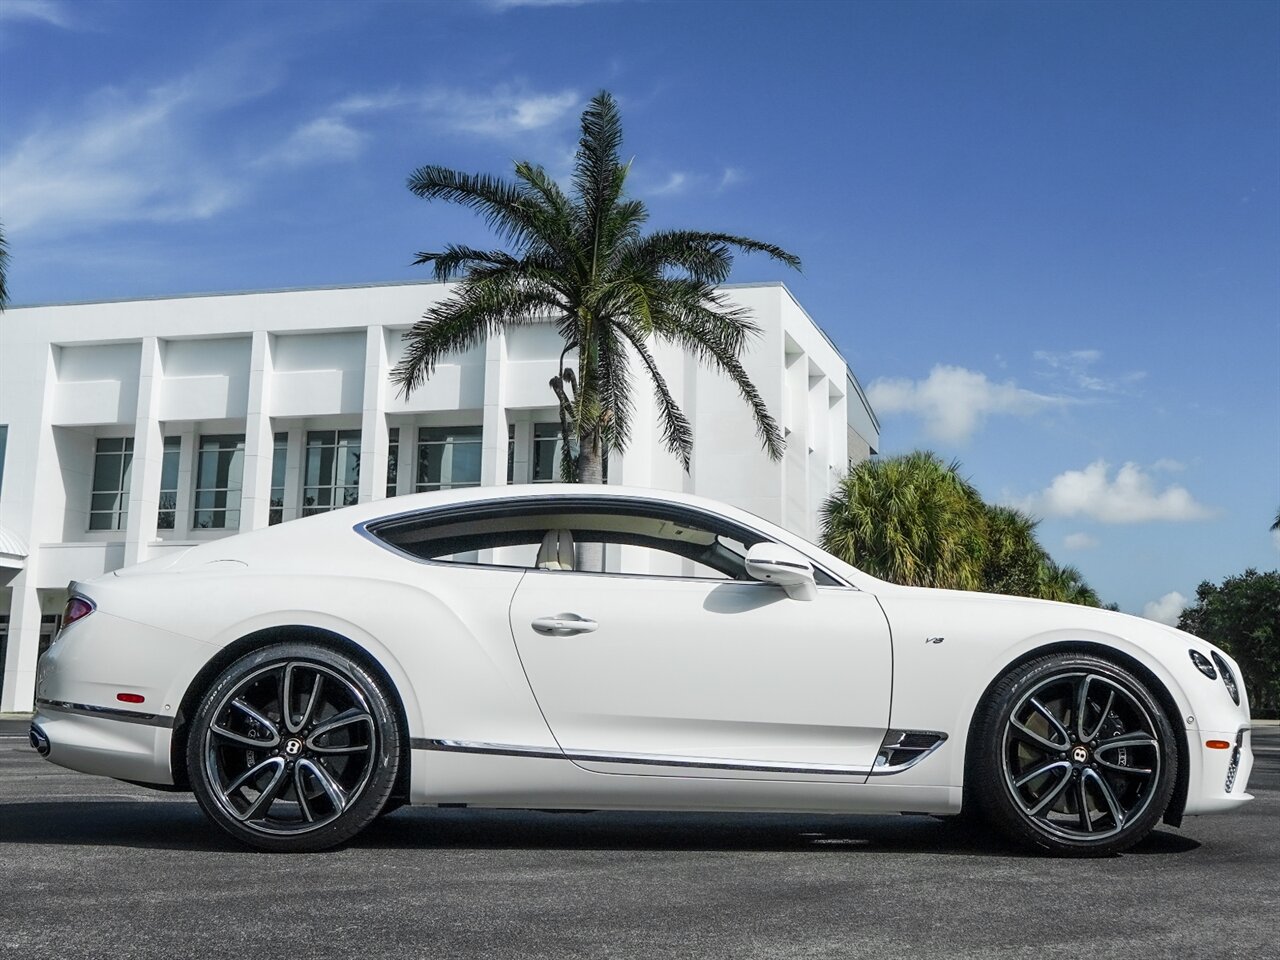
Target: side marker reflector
{"type": "Point", "coordinates": [1218, 744]}
{"type": "Point", "coordinates": [130, 697]}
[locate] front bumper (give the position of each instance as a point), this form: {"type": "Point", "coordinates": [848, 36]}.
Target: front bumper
{"type": "Point", "coordinates": [1220, 780]}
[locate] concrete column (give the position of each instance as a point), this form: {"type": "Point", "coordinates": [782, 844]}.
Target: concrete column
{"type": "Point", "coordinates": [31, 466]}
{"type": "Point", "coordinates": [523, 471]}
{"type": "Point", "coordinates": [493, 449]}
{"type": "Point", "coordinates": [373, 421]}
{"type": "Point", "coordinates": [23, 647]}
{"type": "Point", "coordinates": [259, 442]}
{"type": "Point", "coordinates": [148, 456]}
{"type": "Point", "coordinates": [294, 471]}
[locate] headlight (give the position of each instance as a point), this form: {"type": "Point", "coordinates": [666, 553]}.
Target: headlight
{"type": "Point", "coordinates": [1228, 678]}
{"type": "Point", "coordinates": [1203, 665]}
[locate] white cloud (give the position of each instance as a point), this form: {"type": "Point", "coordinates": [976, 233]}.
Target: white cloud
{"type": "Point", "coordinates": [128, 156]}
{"type": "Point", "coordinates": [322, 139]}
{"type": "Point", "coordinates": [1166, 465]}
{"type": "Point", "coordinates": [731, 177]}
{"type": "Point", "coordinates": [503, 5]}
{"type": "Point", "coordinates": [1079, 541]}
{"type": "Point", "coordinates": [1166, 609]}
{"type": "Point", "coordinates": [1076, 368]}
{"type": "Point", "coordinates": [954, 401]}
{"type": "Point", "coordinates": [677, 182]}
{"type": "Point", "coordinates": [1130, 497]}
{"type": "Point", "coordinates": [43, 11]}
{"type": "Point", "coordinates": [501, 112]}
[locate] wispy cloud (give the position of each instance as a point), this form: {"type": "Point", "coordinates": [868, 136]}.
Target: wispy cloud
{"type": "Point", "coordinates": [1079, 541]}
{"type": "Point", "coordinates": [731, 177]}
{"type": "Point", "coordinates": [126, 156]}
{"type": "Point", "coordinates": [503, 5]}
{"type": "Point", "coordinates": [1167, 609]}
{"type": "Point", "coordinates": [1078, 369]}
{"type": "Point", "coordinates": [42, 11]}
{"type": "Point", "coordinates": [1130, 496]}
{"type": "Point", "coordinates": [677, 182]}
{"type": "Point", "coordinates": [500, 113]}
{"type": "Point", "coordinates": [326, 138]}
{"type": "Point", "coordinates": [953, 402]}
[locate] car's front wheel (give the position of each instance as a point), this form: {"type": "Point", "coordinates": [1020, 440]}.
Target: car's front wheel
{"type": "Point", "coordinates": [295, 747]}
{"type": "Point", "coordinates": [1074, 756]}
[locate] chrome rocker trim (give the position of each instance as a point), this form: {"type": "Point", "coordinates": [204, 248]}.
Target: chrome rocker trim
{"type": "Point", "coordinates": [882, 768]}
{"type": "Point", "coordinates": [107, 713]}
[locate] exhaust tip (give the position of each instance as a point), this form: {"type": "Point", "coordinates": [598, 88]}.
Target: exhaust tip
{"type": "Point", "coordinates": [39, 742]}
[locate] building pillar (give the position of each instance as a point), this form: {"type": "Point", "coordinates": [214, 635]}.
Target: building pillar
{"type": "Point", "coordinates": [493, 447]}
{"type": "Point", "coordinates": [23, 647]}
{"type": "Point", "coordinates": [373, 421]}
{"type": "Point", "coordinates": [148, 456]}
{"type": "Point", "coordinates": [259, 441]}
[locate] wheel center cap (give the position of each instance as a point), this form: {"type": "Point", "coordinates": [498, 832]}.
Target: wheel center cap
{"type": "Point", "coordinates": [293, 747]}
{"type": "Point", "coordinates": [1080, 754]}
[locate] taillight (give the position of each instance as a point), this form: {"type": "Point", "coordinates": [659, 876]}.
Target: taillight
{"type": "Point", "coordinates": [77, 609]}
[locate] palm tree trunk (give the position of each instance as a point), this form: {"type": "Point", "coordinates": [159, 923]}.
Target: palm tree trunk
{"type": "Point", "coordinates": [591, 470]}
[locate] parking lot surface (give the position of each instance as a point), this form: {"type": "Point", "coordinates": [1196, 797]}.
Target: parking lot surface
{"type": "Point", "coordinates": [94, 868]}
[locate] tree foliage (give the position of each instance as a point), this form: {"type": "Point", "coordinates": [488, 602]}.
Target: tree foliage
{"type": "Point", "coordinates": [581, 259]}
{"type": "Point", "coordinates": [1242, 616]}
{"type": "Point", "coordinates": [912, 519]}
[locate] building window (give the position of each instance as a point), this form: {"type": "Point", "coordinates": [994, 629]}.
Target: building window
{"type": "Point", "coordinates": [219, 479]}
{"type": "Point", "coordinates": [109, 502]}
{"type": "Point", "coordinates": [547, 446]}
{"type": "Point", "coordinates": [393, 459]}
{"type": "Point", "coordinates": [279, 460]}
{"type": "Point", "coordinates": [448, 457]}
{"type": "Point", "coordinates": [511, 453]}
{"type": "Point", "coordinates": [332, 475]}
{"type": "Point", "coordinates": [168, 511]}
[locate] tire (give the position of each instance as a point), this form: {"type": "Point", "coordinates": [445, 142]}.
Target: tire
{"type": "Point", "coordinates": [305, 782]}
{"type": "Point", "coordinates": [1072, 782]}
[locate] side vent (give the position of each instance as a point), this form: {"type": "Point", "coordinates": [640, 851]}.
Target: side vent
{"type": "Point", "coordinates": [902, 749]}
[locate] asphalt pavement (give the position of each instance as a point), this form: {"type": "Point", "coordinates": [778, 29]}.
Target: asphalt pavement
{"type": "Point", "coordinates": [94, 868]}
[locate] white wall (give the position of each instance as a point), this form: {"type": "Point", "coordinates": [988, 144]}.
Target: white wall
{"type": "Point", "coordinates": [63, 385]}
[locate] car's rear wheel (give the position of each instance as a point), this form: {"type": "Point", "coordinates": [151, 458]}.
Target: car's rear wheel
{"type": "Point", "coordinates": [295, 747]}
{"type": "Point", "coordinates": [1075, 756]}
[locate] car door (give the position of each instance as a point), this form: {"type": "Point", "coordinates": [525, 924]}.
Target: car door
{"type": "Point", "coordinates": [708, 678]}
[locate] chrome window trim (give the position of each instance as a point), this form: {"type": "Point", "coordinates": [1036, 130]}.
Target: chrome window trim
{"type": "Point", "coordinates": [362, 528]}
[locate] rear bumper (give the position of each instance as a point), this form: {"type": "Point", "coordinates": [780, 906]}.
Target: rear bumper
{"type": "Point", "coordinates": [109, 744]}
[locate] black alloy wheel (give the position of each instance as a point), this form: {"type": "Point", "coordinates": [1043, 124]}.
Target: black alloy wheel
{"type": "Point", "coordinates": [295, 747]}
{"type": "Point", "coordinates": [1075, 756]}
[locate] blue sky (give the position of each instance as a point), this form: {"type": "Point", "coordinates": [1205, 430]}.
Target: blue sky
{"type": "Point", "coordinates": [1045, 235]}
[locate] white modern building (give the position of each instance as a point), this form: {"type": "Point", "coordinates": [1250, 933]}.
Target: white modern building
{"type": "Point", "coordinates": [128, 429]}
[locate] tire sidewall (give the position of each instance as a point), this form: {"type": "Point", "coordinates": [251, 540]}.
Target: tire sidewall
{"type": "Point", "coordinates": [377, 788]}
{"type": "Point", "coordinates": [995, 791]}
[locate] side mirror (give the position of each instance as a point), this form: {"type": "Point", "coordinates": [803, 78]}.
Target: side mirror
{"type": "Point", "coordinates": [789, 569]}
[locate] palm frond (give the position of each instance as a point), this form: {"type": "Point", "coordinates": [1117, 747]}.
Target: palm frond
{"type": "Point", "coordinates": [505, 208]}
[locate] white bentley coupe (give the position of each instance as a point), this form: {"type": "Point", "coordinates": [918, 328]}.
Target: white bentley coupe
{"type": "Point", "coordinates": [605, 648]}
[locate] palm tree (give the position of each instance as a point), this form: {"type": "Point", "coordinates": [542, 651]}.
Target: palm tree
{"type": "Point", "coordinates": [582, 261]}
{"type": "Point", "coordinates": [1014, 557]}
{"type": "Point", "coordinates": [910, 519]}
{"type": "Point", "coordinates": [1066, 584]}
{"type": "Point", "coordinates": [4, 271]}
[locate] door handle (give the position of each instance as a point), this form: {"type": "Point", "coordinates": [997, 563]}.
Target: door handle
{"type": "Point", "coordinates": [563, 624]}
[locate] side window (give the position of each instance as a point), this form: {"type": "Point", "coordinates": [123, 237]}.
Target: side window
{"type": "Point", "coordinates": [617, 537]}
